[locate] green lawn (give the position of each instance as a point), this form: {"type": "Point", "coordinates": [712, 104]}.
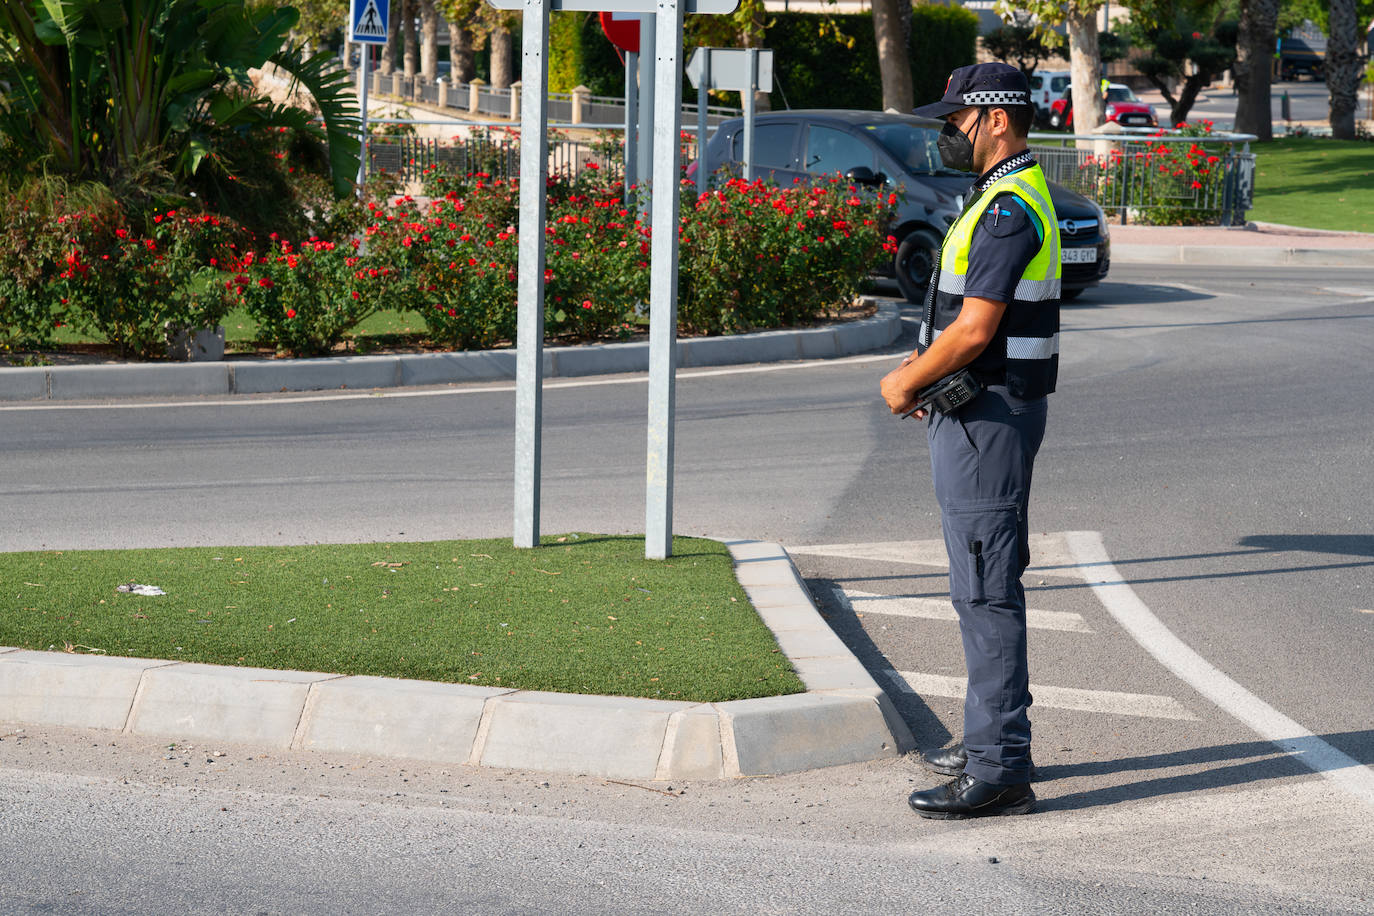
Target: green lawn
{"type": "Point", "coordinates": [580, 614]}
{"type": "Point", "coordinates": [1315, 183]}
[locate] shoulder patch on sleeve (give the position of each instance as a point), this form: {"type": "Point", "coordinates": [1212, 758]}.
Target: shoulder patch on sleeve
{"type": "Point", "coordinates": [1004, 217]}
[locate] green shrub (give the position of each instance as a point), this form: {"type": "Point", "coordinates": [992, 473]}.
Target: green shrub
{"type": "Point", "coordinates": [942, 38]}
{"type": "Point", "coordinates": [758, 256]}
{"type": "Point", "coordinates": [128, 286]}
{"type": "Point", "coordinates": [306, 297]}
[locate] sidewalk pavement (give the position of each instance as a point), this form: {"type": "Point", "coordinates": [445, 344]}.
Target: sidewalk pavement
{"type": "Point", "coordinates": [843, 717]}
{"type": "Point", "coordinates": [1255, 244]}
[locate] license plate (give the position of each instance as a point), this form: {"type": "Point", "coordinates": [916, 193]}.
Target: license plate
{"type": "Point", "coordinates": [1078, 255]}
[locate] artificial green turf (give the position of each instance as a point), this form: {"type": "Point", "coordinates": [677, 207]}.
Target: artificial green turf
{"type": "Point", "coordinates": [579, 614]}
{"type": "Point", "coordinates": [1315, 183]}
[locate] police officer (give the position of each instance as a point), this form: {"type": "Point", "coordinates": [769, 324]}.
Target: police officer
{"type": "Point", "coordinates": [992, 309]}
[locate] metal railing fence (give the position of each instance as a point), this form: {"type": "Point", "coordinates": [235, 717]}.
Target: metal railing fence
{"type": "Point", "coordinates": [1156, 178]}
{"type": "Point", "coordinates": [493, 102]}
{"type": "Point", "coordinates": [496, 154]}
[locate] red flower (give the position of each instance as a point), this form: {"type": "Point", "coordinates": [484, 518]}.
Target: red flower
{"type": "Point", "coordinates": [290, 313]}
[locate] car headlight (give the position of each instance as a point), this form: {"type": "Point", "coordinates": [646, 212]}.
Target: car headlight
{"type": "Point", "coordinates": [1102, 221]}
{"type": "Point", "coordinates": [1111, 111]}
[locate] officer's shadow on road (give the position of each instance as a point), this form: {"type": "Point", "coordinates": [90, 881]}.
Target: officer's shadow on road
{"type": "Point", "coordinates": [925, 726]}
{"type": "Point", "coordinates": [1245, 763]}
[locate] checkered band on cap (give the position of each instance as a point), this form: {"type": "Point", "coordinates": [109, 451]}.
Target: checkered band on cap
{"type": "Point", "coordinates": [996, 97]}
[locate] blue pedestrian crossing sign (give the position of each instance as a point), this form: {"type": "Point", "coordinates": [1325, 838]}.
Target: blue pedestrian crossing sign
{"type": "Point", "coordinates": [367, 19]}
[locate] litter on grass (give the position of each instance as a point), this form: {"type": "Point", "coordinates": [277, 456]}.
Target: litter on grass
{"type": "Point", "coordinates": [133, 588]}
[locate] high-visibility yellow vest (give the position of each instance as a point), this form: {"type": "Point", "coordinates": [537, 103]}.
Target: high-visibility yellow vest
{"type": "Point", "coordinates": [1025, 352]}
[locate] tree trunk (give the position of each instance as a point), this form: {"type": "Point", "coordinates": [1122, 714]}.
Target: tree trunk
{"type": "Point", "coordinates": [429, 41]}
{"type": "Point", "coordinates": [387, 65]}
{"type": "Point", "coordinates": [460, 52]}
{"type": "Point", "coordinates": [502, 58]}
{"type": "Point", "coordinates": [412, 39]}
{"type": "Point", "coordinates": [1343, 68]}
{"type": "Point", "coordinates": [894, 63]}
{"type": "Point", "coordinates": [1085, 63]}
{"type": "Point", "coordinates": [1254, 67]}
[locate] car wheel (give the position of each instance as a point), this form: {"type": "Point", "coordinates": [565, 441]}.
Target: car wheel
{"type": "Point", "coordinates": [1054, 120]}
{"type": "Point", "coordinates": [1068, 295]}
{"type": "Point", "coordinates": [914, 262]}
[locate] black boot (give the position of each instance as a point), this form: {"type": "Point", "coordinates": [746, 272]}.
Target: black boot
{"type": "Point", "coordinates": [967, 797]}
{"type": "Point", "coordinates": [949, 761]}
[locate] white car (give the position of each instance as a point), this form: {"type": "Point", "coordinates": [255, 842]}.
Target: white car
{"type": "Point", "coordinates": [1046, 86]}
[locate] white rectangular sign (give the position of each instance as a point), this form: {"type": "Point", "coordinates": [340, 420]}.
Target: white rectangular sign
{"type": "Point", "coordinates": [730, 69]}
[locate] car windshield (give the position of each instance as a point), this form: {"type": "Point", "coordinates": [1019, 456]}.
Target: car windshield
{"type": "Point", "coordinates": [1122, 94]}
{"type": "Point", "coordinates": [912, 146]}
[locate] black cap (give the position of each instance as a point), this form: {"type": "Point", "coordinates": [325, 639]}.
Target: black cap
{"type": "Point", "coordinates": [979, 85]}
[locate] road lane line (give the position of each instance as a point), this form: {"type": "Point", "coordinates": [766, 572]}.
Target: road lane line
{"type": "Point", "coordinates": [1145, 705]}
{"type": "Point", "coordinates": [1149, 631]}
{"type": "Point", "coordinates": [941, 609]}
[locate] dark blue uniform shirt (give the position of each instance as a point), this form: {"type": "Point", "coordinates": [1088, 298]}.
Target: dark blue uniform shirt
{"type": "Point", "coordinates": [1006, 239]}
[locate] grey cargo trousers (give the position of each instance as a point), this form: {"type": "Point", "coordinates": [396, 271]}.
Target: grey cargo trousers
{"type": "Point", "coordinates": [981, 461]}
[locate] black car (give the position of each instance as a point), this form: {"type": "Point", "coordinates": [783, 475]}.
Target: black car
{"type": "Point", "coordinates": [897, 152]}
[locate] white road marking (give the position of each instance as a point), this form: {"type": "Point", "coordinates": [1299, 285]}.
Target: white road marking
{"type": "Point", "coordinates": [1108, 701]}
{"type": "Point", "coordinates": [1049, 554]}
{"type": "Point", "coordinates": [941, 609]}
{"type": "Point", "coordinates": [388, 393]}
{"type": "Point", "coordinates": [1150, 632]}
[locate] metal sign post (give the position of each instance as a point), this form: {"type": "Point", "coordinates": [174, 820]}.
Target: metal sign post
{"type": "Point", "coordinates": [745, 70]}
{"type": "Point", "coordinates": [665, 53]}
{"type": "Point", "coordinates": [631, 122]}
{"type": "Point", "coordinates": [645, 151]}
{"type": "Point", "coordinates": [703, 101]}
{"type": "Point", "coordinates": [367, 21]}
{"type": "Point", "coordinates": [529, 337]}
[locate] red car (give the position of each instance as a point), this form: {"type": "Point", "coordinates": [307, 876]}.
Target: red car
{"type": "Point", "coordinates": [1123, 107]}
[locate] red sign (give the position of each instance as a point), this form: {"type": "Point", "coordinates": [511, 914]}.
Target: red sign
{"type": "Point", "coordinates": [622, 29]}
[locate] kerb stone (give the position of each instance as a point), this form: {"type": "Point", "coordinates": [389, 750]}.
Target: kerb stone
{"type": "Point", "coordinates": [775, 735]}
{"type": "Point", "coordinates": [571, 733]}
{"type": "Point", "coordinates": [253, 705]}
{"type": "Point", "coordinates": [23, 383]}
{"type": "Point", "coordinates": [74, 691]}
{"type": "Point", "coordinates": [691, 749]}
{"type": "Point", "coordinates": [393, 717]}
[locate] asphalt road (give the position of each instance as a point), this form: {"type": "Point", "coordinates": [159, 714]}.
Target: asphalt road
{"type": "Point", "coordinates": [1210, 426]}
{"type": "Point", "coordinates": [1308, 100]}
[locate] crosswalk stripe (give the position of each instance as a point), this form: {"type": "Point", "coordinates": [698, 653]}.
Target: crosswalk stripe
{"type": "Point", "coordinates": [1125, 704]}
{"type": "Point", "coordinates": [1050, 554]}
{"type": "Point", "coordinates": [941, 609]}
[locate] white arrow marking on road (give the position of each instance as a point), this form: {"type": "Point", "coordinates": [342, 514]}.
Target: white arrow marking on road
{"type": "Point", "coordinates": [1109, 701]}
{"type": "Point", "coordinates": [1049, 554]}
{"type": "Point", "coordinates": [941, 609]}
{"type": "Point", "coordinates": [1174, 654]}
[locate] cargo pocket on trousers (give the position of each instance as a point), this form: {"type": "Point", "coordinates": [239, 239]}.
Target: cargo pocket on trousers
{"type": "Point", "coordinates": [984, 555]}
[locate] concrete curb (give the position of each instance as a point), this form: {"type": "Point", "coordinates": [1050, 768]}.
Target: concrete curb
{"type": "Point", "coordinates": [102, 382]}
{"type": "Point", "coordinates": [843, 717]}
{"type": "Point", "coordinates": [1242, 256]}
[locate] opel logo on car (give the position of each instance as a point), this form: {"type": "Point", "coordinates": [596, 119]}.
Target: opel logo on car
{"type": "Point", "coordinates": [1070, 227]}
